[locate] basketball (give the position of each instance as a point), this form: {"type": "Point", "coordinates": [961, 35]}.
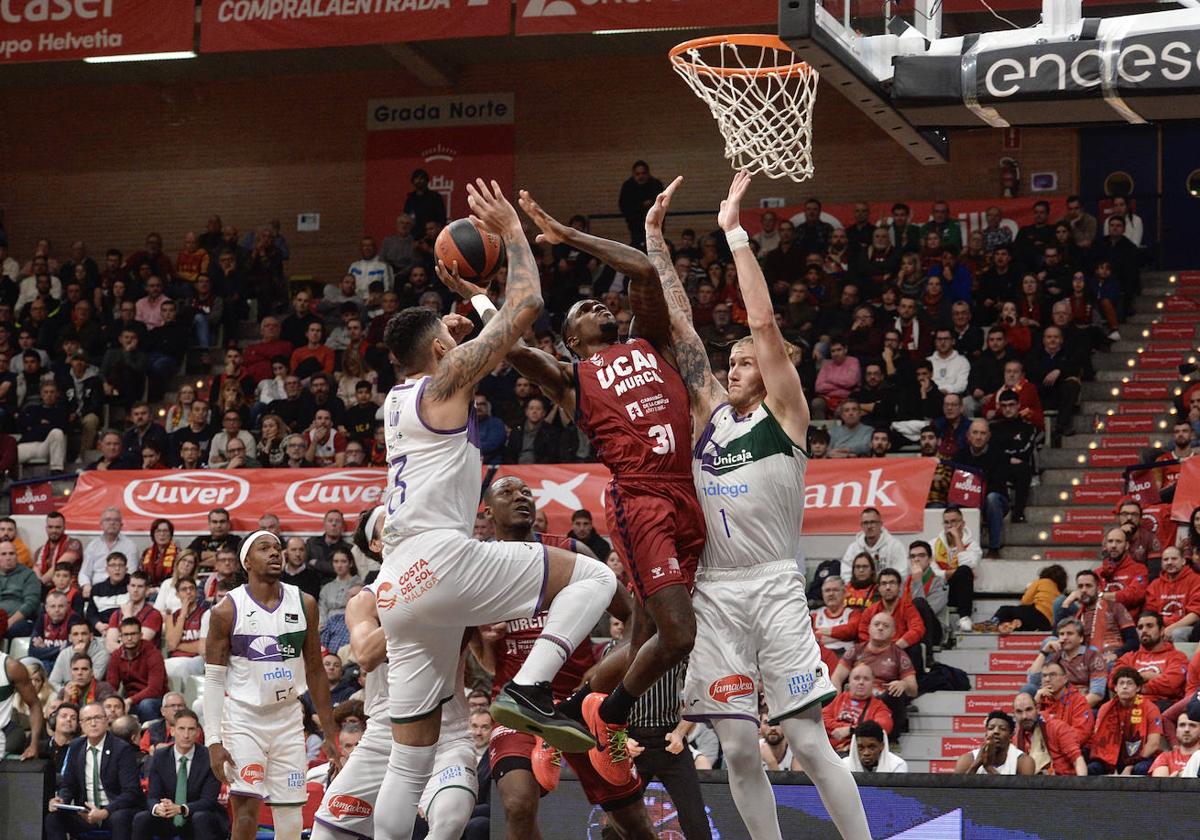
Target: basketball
{"type": "Point", "coordinates": [477, 251]}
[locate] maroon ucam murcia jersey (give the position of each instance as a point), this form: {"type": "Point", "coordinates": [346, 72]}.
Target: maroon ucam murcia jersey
{"type": "Point", "coordinates": [634, 408]}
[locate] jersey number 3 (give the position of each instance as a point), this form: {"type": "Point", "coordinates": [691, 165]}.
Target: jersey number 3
{"type": "Point", "coordinates": [664, 439]}
{"type": "Point", "coordinates": [399, 486]}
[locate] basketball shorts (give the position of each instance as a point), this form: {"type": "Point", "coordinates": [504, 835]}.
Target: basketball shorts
{"type": "Point", "coordinates": [431, 588]}
{"type": "Point", "coordinates": [753, 628]}
{"type": "Point", "coordinates": [268, 748]}
{"type": "Point", "coordinates": [349, 802]}
{"type": "Point", "coordinates": [657, 529]}
{"type": "Point", "coordinates": [508, 744]}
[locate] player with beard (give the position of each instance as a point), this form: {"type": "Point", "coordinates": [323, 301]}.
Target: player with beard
{"type": "Point", "coordinates": [263, 648]}
{"type": "Point", "coordinates": [348, 807]}
{"type": "Point", "coordinates": [633, 406]}
{"type": "Point", "coordinates": [752, 620]}
{"type": "Point", "coordinates": [525, 768]}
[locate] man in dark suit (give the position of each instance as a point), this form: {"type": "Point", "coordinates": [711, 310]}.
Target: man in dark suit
{"type": "Point", "coordinates": [100, 773]}
{"type": "Point", "coordinates": [187, 806]}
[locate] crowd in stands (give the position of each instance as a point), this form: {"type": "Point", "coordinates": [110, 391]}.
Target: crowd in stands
{"type": "Point", "coordinates": [912, 336]}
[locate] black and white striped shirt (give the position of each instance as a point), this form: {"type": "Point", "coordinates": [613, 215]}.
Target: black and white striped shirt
{"type": "Point", "coordinates": [659, 707]}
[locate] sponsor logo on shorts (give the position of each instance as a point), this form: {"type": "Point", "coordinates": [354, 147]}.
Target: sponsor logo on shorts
{"type": "Point", "coordinates": [344, 805]}
{"type": "Point", "coordinates": [416, 580]}
{"type": "Point", "coordinates": [385, 598]}
{"type": "Point", "coordinates": [732, 687]}
{"type": "Point", "coordinates": [801, 685]}
{"type": "Point", "coordinates": [672, 568]}
{"type": "Point", "coordinates": [252, 774]}
{"type": "Point", "coordinates": [295, 779]}
{"type": "Point", "coordinates": [449, 774]}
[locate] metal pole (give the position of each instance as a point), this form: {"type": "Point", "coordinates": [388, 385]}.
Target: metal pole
{"type": "Point", "coordinates": [1060, 15]}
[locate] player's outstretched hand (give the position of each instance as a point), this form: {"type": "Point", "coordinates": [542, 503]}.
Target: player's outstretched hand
{"type": "Point", "coordinates": [552, 230]}
{"type": "Point", "coordinates": [460, 326]}
{"type": "Point", "coordinates": [728, 218]}
{"type": "Point", "coordinates": [455, 283]}
{"type": "Point", "coordinates": [490, 207]}
{"type": "Point", "coordinates": [654, 218]}
{"type": "Point", "coordinates": [219, 758]}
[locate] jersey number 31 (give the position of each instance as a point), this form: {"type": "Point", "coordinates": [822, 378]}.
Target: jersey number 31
{"type": "Point", "coordinates": [664, 439]}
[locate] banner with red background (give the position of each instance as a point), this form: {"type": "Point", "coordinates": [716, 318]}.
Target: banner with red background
{"type": "Point", "coordinates": [1187, 491]}
{"type": "Point", "coordinates": [550, 17]}
{"type": "Point", "coordinates": [1017, 212]}
{"type": "Point", "coordinates": [43, 31]}
{"type": "Point", "coordinates": [456, 139]}
{"type": "Point", "coordinates": [235, 25]}
{"type": "Point", "coordinates": [835, 495]}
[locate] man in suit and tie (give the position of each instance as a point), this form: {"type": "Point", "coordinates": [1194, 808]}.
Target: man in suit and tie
{"type": "Point", "coordinates": [100, 774]}
{"type": "Point", "coordinates": [182, 789]}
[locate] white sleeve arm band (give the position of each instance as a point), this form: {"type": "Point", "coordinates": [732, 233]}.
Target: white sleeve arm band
{"type": "Point", "coordinates": [214, 702]}
{"type": "Point", "coordinates": [483, 305]}
{"type": "Point", "coordinates": [737, 238]}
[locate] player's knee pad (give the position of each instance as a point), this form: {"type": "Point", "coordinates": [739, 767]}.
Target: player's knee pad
{"type": "Point", "coordinates": [289, 821]}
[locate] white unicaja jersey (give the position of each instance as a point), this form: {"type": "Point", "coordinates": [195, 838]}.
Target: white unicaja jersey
{"type": "Point", "coordinates": [433, 475]}
{"type": "Point", "coordinates": [266, 656]}
{"type": "Point", "coordinates": [8, 692]}
{"type": "Point", "coordinates": [750, 481]}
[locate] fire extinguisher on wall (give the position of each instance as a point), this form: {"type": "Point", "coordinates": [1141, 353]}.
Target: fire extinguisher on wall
{"type": "Point", "coordinates": [1010, 177]}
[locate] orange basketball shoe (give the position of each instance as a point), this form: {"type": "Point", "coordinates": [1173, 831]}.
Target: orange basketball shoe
{"type": "Point", "coordinates": [547, 765]}
{"type": "Point", "coordinates": [610, 757]}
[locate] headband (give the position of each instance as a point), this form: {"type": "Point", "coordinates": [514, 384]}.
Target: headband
{"type": "Point", "coordinates": [372, 521]}
{"type": "Point", "coordinates": [249, 541]}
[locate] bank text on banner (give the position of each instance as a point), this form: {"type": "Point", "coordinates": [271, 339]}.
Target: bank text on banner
{"type": "Point", "coordinates": [58, 30]}
{"type": "Point", "coordinates": [548, 17]}
{"type": "Point", "coordinates": [837, 492]}
{"type": "Point", "coordinates": [455, 139]}
{"type": "Point", "coordinates": [242, 25]}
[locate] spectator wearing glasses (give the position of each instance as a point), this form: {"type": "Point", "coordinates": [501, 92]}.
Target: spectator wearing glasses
{"type": "Point", "coordinates": [875, 540]}
{"type": "Point", "coordinates": [137, 672]}
{"type": "Point", "coordinates": [910, 627]}
{"type": "Point", "coordinates": [1051, 744]}
{"type": "Point", "coordinates": [1129, 733]}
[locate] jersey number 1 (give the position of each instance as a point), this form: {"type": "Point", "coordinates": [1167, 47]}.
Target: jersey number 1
{"type": "Point", "coordinates": [664, 439]}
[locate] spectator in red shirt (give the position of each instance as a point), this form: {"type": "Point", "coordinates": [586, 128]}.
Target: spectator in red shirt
{"type": "Point", "coordinates": [1057, 699]}
{"type": "Point", "coordinates": [1175, 595]}
{"type": "Point", "coordinates": [58, 548]}
{"type": "Point", "coordinates": [51, 629]}
{"type": "Point", "coordinates": [1144, 546]}
{"type": "Point", "coordinates": [853, 706]}
{"type": "Point", "coordinates": [1187, 740]}
{"type": "Point", "coordinates": [1107, 625]}
{"type": "Point", "coordinates": [1122, 577]}
{"type": "Point", "coordinates": [895, 676]}
{"type": "Point", "coordinates": [314, 356]}
{"type": "Point", "coordinates": [1027, 394]}
{"type": "Point", "coordinates": [1191, 691]}
{"type": "Point", "coordinates": [153, 256]}
{"type": "Point", "coordinates": [234, 369]}
{"type": "Point", "coordinates": [1052, 744]}
{"type": "Point", "coordinates": [1163, 668]}
{"type": "Point", "coordinates": [138, 671]}
{"type": "Point", "coordinates": [149, 619]}
{"type": "Point", "coordinates": [257, 357]}
{"type": "Point", "coordinates": [910, 628]}
{"type": "Point", "coordinates": [1128, 729]}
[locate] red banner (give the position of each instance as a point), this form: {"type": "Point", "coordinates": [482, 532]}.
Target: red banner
{"type": "Point", "coordinates": [40, 30]}
{"type": "Point", "coordinates": [456, 139]}
{"type": "Point", "coordinates": [836, 493]}
{"type": "Point", "coordinates": [966, 489]}
{"type": "Point", "coordinates": [1187, 491]}
{"type": "Point", "coordinates": [971, 213]}
{"type": "Point", "coordinates": [33, 498]}
{"type": "Point", "coordinates": [239, 25]}
{"type": "Point", "coordinates": [1142, 486]}
{"type": "Point", "coordinates": [551, 17]}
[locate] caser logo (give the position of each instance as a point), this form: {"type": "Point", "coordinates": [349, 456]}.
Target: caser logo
{"type": "Point", "coordinates": [185, 495]}
{"type": "Point", "coordinates": [347, 488]}
{"type": "Point", "coordinates": [344, 805]}
{"type": "Point", "coordinates": [732, 687]}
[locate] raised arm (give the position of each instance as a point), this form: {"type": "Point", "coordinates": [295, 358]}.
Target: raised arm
{"type": "Point", "coordinates": [690, 356]}
{"type": "Point", "coordinates": [453, 386]}
{"type": "Point", "coordinates": [650, 318]}
{"type": "Point", "coordinates": [555, 378]}
{"type": "Point", "coordinates": [366, 636]}
{"type": "Point", "coordinates": [785, 396]}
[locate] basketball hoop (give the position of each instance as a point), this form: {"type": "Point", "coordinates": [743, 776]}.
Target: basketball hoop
{"type": "Point", "coordinates": [761, 97]}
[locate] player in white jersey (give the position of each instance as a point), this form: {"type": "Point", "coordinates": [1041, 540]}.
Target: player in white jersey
{"type": "Point", "coordinates": [752, 620]}
{"type": "Point", "coordinates": [348, 807]}
{"type": "Point", "coordinates": [263, 650]}
{"type": "Point", "coordinates": [436, 580]}
{"type": "Point", "coordinates": [14, 683]}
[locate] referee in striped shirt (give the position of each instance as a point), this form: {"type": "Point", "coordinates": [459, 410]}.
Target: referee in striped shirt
{"type": "Point", "coordinates": [656, 726]}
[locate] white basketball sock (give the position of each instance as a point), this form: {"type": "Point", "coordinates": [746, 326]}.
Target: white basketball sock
{"type": "Point", "coordinates": [572, 615]}
{"type": "Point", "coordinates": [408, 772]}
{"type": "Point", "coordinates": [289, 821]}
{"type": "Point", "coordinates": [748, 782]}
{"type": "Point", "coordinates": [810, 746]}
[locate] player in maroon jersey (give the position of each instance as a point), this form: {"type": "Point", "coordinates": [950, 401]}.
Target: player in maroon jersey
{"type": "Point", "coordinates": [630, 400]}
{"type": "Point", "coordinates": [508, 503]}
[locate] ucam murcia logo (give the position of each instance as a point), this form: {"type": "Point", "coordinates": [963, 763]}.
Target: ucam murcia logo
{"type": "Point", "coordinates": [186, 495]}
{"type": "Point", "coordinates": [625, 372]}
{"type": "Point", "coordinates": [313, 497]}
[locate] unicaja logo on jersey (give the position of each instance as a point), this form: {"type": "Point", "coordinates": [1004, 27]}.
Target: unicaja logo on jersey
{"type": "Point", "coordinates": [344, 805]}
{"type": "Point", "coordinates": [263, 649]}
{"type": "Point", "coordinates": [732, 687]}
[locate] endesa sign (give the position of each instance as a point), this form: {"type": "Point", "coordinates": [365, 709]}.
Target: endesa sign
{"type": "Point", "coordinates": [57, 30]}
{"type": "Point", "coordinates": [232, 25]}
{"type": "Point", "coordinates": [835, 495]}
{"type": "Point", "coordinates": [551, 17]}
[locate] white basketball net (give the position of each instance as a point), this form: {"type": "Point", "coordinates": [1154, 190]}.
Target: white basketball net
{"type": "Point", "coordinates": [762, 99]}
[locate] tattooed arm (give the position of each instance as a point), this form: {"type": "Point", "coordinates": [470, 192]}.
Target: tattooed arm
{"type": "Point", "coordinates": [555, 378]}
{"type": "Point", "coordinates": [785, 396]}
{"type": "Point", "coordinates": [690, 356]}
{"type": "Point", "coordinates": [448, 398]}
{"type": "Point", "coordinates": [651, 321]}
